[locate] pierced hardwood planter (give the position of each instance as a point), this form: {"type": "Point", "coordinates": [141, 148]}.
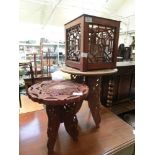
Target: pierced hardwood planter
{"type": "Point", "coordinates": [91, 43]}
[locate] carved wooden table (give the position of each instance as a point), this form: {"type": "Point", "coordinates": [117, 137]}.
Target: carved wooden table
{"type": "Point", "coordinates": [63, 99]}
{"type": "Point", "coordinates": [93, 80]}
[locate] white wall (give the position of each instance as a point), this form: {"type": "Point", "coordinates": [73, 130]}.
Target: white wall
{"type": "Point", "coordinates": [127, 9]}
{"type": "Point", "coordinates": [127, 27]}
{"type": "Point", "coordinates": [35, 32]}
{"type": "Point", "coordinates": [126, 14]}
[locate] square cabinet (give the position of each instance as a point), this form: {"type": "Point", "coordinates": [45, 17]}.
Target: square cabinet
{"type": "Point", "coordinates": [91, 43]}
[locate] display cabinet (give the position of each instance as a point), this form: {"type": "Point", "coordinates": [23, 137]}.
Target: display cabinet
{"type": "Point", "coordinates": [118, 90]}
{"type": "Point", "coordinates": [91, 42]}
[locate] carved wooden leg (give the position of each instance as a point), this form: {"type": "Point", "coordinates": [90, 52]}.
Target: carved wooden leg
{"type": "Point", "coordinates": [53, 126]}
{"type": "Point", "coordinates": [94, 98]}
{"type": "Point", "coordinates": [71, 122]}
{"type": "Point", "coordinates": [78, 78]}
{"type": "Point", "coordinates": [110, 93]}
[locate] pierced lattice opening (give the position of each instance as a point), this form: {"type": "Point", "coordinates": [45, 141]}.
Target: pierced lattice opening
{"type": "Point", "coordinates": [101, 43]}
{"type": "Point", "coordinates": [73, 39]}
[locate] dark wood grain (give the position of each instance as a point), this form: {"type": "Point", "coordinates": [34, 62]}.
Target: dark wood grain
{"type": "Point", "coordinates": [113, 137]}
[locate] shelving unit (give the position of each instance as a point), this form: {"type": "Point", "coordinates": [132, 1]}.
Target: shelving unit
{"type": "Point", "coordinates": [56, 51]}
{"type": "Point", "coordinates": [27, 50]}
{"type": "Point", "coordinates": [43, 54]}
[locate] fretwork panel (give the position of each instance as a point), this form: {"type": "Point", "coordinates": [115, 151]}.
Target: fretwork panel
{"type": "Point", "coordinates": [91, 43]}
{"type": "Point", "coordinates": [101, 43]}
{"type": "Point", "coordinates": [73, 43]}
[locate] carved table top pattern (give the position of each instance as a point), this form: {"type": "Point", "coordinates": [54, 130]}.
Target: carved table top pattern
{"type": "Point", "coordinates": [57, 92]}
